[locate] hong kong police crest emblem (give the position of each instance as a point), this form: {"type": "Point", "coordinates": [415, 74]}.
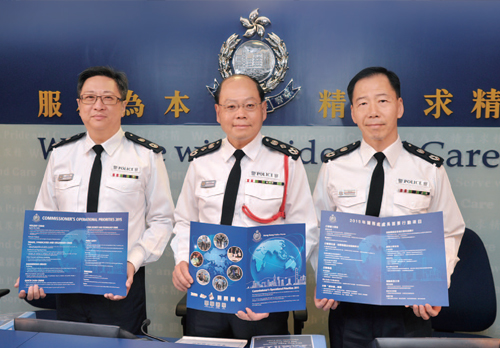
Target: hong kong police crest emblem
{"type": "Point", "coordinates": [266, 62]}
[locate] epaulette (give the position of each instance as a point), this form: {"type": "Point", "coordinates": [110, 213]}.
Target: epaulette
{"type": "Point", "coordinates": [340, 152]}
{"type": "Point", "coordinates": [144, 142]}
{"type": "Point", "coordinates": [66, 141]}
{"type": "Point", "coordinates": [205, 149]}
{"type": "Point", "coordinates": [285, 148]}
{"type": "Point", "coordinates": [429, 157]}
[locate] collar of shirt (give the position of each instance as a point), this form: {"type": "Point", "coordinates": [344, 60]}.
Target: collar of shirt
{"type": "Point", "coordinates": [251, 150]}
{"type": "Point", "coordinates": [109, 145]}
{"type": "Point", "coordinates": [391, 152]}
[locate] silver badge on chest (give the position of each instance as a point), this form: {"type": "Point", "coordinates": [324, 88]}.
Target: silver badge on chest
{"type": "Point", "coordinates": [65, 177]}
{"type": "Point", "coordinates": [348, 193]}
{"type": "Point", "coordinates": [208, 183]}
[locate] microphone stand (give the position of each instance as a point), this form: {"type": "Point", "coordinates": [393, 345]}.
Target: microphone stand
{"type": "Point", "coordinates": [4, 292]}
{"type": "Point", "coordinates": [146, 323]}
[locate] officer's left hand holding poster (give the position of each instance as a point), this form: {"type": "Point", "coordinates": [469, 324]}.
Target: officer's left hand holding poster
{"type": "Point", "coordinates": [66, 252]}
{"type": "Point", "coordinates": [261, 267]}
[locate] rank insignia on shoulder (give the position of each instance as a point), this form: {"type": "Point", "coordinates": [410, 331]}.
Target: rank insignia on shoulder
{"type": "Point", "coordinates": [344, 150]}
{"type": "Point", "coordinates": [66, 141]}
{"type": "Point", "coordinates": [429, 157]}
{"type": "Point", "coordinates": [144, 142]}
{"type": "Point", "coordinates": [205, 149]}
{"type": "Point", "coordinates": [285, 148]}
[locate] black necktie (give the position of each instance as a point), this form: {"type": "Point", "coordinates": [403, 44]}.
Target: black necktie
{"type": "Point", "coordinates": [233, 182]}
{"type": "Point", "coordinates": [95, 180]}
{"type": "Point", "coordinates": [376, 187]}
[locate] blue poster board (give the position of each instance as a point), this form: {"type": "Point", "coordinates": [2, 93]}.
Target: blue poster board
{"type": "Point", "coordinates": [65, 252]}
{"type": "Point", "coordinates": [262, 268]}
{"type": "Point", "coordinates": [396, 260]}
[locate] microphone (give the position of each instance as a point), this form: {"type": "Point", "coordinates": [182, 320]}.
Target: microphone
{"type": "Point", "coordinates": [146, 323]}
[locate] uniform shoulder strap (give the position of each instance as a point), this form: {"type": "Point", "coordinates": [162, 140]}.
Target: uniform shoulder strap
{"type": "Point", "coordinates": [201, 151]}
{"type": "Point", "coordinates": [144, 142]}
{"type": "Point", "coordinates": [66, 141]}
{"type": "Point", "coordinates": [429, 157]}
{"type": "Point", "coordinates": [344, 150]}
{"type": "Point", "coordinates": [282, 147]}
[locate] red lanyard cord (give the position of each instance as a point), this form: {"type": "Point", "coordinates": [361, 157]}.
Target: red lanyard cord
{"type": "Point", "coordinates": [281, 212]}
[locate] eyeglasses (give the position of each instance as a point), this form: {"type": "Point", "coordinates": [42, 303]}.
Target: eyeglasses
{"type": "Point", "coordinates": [90, 99]}
{"type": "Point", "coordinates": [234, 107]}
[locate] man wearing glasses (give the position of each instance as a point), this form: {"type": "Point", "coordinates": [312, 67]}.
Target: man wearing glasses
{"type": "Point", "coordinates": [109, 170]}
{"type": "Point", "coordinates": [268, 184]}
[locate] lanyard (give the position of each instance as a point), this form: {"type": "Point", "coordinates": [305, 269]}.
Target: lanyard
{"type": "Point", "coordinates": [281, 212]}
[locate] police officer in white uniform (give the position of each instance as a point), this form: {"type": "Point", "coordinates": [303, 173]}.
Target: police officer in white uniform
{"type": "Point", "coordinates": [133, 179]}
{"type": "Point", "coordinates": [268, 168]}
{"type": "Point", "coordinates": [415, 182]}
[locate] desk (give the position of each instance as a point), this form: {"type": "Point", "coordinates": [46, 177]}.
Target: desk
{"type": "Point", "coordinates": [12, 338]}
{"type": "Point", "coordinates": [24, 339]}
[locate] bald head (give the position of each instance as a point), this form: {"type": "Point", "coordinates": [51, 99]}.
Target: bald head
{"type": "Point", "coordinates": [259, 89]}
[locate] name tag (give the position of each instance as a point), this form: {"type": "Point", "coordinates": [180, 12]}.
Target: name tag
{"type": "Point", "coordinates": [347, 193]}
{"type": "Point", "coordinates": [208, 183]}
{"type": "Point", "coordinates": [65, 177]}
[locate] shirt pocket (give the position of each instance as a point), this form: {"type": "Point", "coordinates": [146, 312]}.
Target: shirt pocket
{"type": "Point", "coordinates": [122, 194]}
{"type": "Point", "coordinates": [124, 185]}
{"type": "Point", "coordinates": [412, 203]}
{"type": "Point", "coordinates": [350, 203]}
{"type": "Point", "coordinates": [67, 193]}
{"type": "Point", "coordinates": [210, 199]}
{"type": "Point", "coordinates": [263, 200]}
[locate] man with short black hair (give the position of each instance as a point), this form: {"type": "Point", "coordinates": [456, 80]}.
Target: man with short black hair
{"type": "Point", "coordinates": [109, 170]}
{"type": "Point", "coordinates": [383, 176]}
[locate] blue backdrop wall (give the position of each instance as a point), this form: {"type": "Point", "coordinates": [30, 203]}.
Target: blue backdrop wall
{"type": "Point", "coordinates": [446, 54]}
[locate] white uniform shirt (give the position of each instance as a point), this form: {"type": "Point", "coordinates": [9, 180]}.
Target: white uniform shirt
{"type": "Point", "coordinates": [344, 183]}
{"type": "Point", "coordinates": [146, 198]}
{"type": "Point", "coordinates": [202, 202]}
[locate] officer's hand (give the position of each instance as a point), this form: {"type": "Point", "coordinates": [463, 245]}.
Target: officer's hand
{"type": "Point", "coordinates": [251, 316]}
{"type": "Point", "coordinates": [427, 311]}
{"type": "Point", "coordinates": [325, 304]}
{"type": "Point", "coordinates": [128, 284]}
{"type": "Point", "coordinates": [180, 276]}
{"type": "Point", "coordinates": [34, 292]}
